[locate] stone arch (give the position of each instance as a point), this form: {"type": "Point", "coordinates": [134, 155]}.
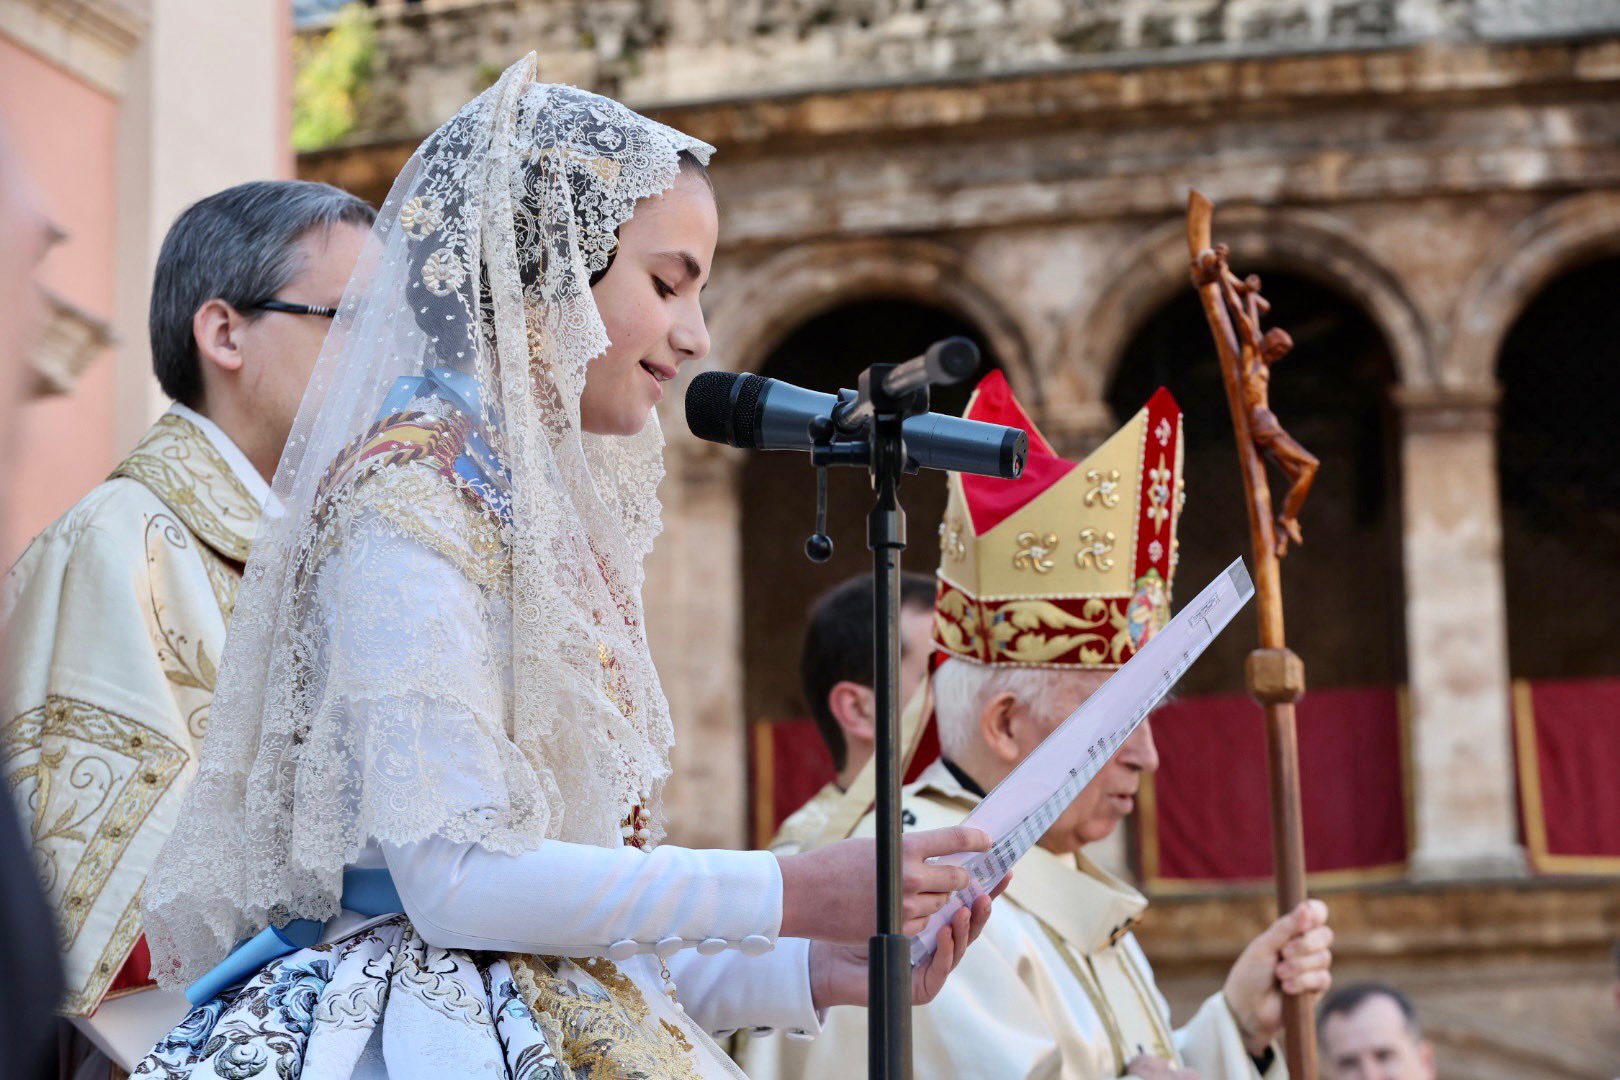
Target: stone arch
{"type": "Point", "coordinates": [1313, 244]}
{"type": "Point", "coordinates": [792, 287]}
{"type": "Point", "coordinates": [1575, 230]}
{"type": "Point", "coordinates": [697, 614]}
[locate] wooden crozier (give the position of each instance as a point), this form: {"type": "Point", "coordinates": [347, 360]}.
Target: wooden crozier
{"type": "Point", "coordinates": [1275, 675]}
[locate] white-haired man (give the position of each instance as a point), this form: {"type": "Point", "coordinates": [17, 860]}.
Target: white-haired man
{"type": "Point", "coordinates": [1046, 585]}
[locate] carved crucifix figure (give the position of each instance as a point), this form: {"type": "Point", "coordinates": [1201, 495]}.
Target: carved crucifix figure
{"type": "Point", "coordinates": [1279, 447]}
{"type": "Point", "coordinates": [1257, 353]}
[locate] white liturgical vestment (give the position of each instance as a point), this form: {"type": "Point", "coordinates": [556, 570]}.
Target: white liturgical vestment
{"type": "Point", "coordinates": [116, 616]}
{"type": "Point", "coordinates": [1055, 987]}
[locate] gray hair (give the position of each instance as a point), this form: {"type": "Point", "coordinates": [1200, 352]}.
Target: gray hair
{"type": "Point", "coordinates": [962, 689]}
{"type": "Point", "coordinates": [240, 246]}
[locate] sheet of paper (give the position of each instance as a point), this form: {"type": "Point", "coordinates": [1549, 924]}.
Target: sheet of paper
{"type": "Point", "coordinates": [1024, 805]}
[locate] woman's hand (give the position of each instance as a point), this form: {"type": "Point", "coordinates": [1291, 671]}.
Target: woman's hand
{"type": "Point", "coordinates": [838, 973]}
{"type": "Point", "coordinates": [830, 894]}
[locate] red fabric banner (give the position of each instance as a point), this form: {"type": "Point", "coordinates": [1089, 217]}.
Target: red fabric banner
{"type": "Point", "coordinates": [1567, 734]}
{"type": "Point", "coordinates": [1205, 818]}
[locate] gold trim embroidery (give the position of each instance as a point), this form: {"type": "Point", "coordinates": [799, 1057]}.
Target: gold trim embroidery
{"type": "Point", "coordinates": [1158, 510]}
{"type": "Point", "coordinates": [1142, 984]}
{"type": "Point", "coordinates": [182, 666]}
{"type": "Point", "coordinates": [950, 539]}
{"type": "Point", "coordinates": [1095, 549]}
{"type": "Point", "coordinates": [1104, 488]}
{"type": "Point", "coordinates": [1087, 978]}
{"type": "Point", "coordinates": [179, 465]}
{"type": "Point", "coordinates": [135, 766]}
{"type": "Point", "coordinates": [111, 961]}
{"type": "Point", "coordinates": [597, 1020]}
{"type": "Point", "coordinates": [410, 498]}
{"type": "Point", "coordinates": [224, 578]}
{"type": "Point", "coordinates": [1034, 551]}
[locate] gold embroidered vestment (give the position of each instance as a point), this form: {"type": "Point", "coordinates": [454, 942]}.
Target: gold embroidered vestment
{"type": "Point", "coordinates": [116, 617]}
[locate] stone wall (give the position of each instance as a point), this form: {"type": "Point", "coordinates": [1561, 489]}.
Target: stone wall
{"type": "Point", "coordinates": [436, 54]}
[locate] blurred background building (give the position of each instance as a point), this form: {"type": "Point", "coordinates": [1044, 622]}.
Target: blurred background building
{"type": "Point", "coordinates": [1431, 191]}
{"type": "Point", "coordinates": [123, 112]}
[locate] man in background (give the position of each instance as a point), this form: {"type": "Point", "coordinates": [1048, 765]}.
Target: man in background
{"type": "Point", "coordinates": [1370, 1031]}
{"type": "Point", "coordinates": [1047, 584]}
{"type": "Point", "coordinates": [835, 669]}
{"type": "Point", "coordinates": [117, 611]}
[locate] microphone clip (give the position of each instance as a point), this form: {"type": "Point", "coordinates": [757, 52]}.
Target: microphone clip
{"type": "Point", "coordinates": [819, 547]}
{"type": "Point", "coordinates": [899, 391]}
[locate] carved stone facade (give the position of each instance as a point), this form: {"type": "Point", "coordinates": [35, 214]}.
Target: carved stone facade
{"type": "Point", "coordinates": [1024, 167]}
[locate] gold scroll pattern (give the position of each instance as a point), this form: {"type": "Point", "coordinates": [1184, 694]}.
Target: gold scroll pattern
{"type": "Point", "coordinates": [178, 463]}
{"type": "Point", "coordinates": [1064, 632]}
{"type": "Point", "coordinates": [597, 1021]}
{"type": "Point", "coordinates": [93, 779]}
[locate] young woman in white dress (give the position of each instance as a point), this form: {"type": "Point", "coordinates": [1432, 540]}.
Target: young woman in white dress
{"type": "Point", "coordinates": [422, 838]}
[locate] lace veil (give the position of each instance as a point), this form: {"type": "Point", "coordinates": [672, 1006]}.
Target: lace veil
{"type": "Point", "coordinates": [354, 701]}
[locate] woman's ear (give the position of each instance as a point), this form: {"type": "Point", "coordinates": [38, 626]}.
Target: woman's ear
{"type": "Point", "coordinates": [215, 328]}
{"type": "Point", "coordinates": [998, 727]}
{"type": "Point", "coordinates": [852, 706]}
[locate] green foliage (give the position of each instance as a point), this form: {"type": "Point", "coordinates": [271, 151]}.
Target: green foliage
{"type": "Point", "coordinates": [332, 78]}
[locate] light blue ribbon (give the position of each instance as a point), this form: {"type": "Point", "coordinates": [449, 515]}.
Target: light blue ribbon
{"type": "Point", "coordinates": [368, 892]}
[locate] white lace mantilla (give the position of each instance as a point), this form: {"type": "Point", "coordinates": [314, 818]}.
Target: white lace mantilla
{"type": "Point", "coordinates": [348, 694]}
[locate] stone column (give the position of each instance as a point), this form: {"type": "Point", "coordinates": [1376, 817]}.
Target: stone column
{"type": "Point", "coordinates": [693, 598]}
{"type": "Point", "coordinates": [1456, 627]}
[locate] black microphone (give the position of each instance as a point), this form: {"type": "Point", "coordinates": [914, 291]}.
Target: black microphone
{"type": "Point", "coordinates": [756, 413]}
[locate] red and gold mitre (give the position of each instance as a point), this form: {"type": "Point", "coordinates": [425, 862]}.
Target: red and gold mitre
{"type": "Point", "coordinates": [1071, 564]}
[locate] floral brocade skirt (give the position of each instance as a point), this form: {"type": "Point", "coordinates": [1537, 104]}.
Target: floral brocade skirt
{"type": "Point", "coordinates": [382, 1002]}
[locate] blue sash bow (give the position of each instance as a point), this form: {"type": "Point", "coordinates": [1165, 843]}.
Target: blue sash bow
{"type": "Point", "coordinates": [369, 892]}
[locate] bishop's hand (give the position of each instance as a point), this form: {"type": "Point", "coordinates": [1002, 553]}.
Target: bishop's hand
{"type": "Point", "coordinates": [1291, 956]}
{"type": "Point", "coordinates": [1148, 1067]}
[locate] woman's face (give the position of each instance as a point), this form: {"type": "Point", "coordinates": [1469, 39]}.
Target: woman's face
{"type": "Point", "coordinates": [649, 303]}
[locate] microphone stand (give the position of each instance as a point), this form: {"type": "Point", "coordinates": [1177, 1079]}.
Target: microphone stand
{"type": "Point", "coordinates": [875, 420]}
{"type": "Point", "coordinates": [867, 429]}
{"type": "Point", "coordinates": [889, 977]}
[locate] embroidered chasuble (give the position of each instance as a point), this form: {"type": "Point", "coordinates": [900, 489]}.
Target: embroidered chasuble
{"type": "Point", "coordinates": [803, 828]}
{"type": "Point", "coordinates": [1055, 987]}
{"type": "Point", "coordinates": [117, 615]}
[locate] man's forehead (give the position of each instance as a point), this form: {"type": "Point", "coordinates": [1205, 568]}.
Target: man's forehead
{"type": "Point", "coordinates": [1080, 681]}
{"type": "Point", "coordinates": [1376, 1021]}
{"type": "Point", "coordinates": [1068, 688]}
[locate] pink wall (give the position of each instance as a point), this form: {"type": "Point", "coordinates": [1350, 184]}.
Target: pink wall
{"type": "Point", "coordinates": [66, 134]}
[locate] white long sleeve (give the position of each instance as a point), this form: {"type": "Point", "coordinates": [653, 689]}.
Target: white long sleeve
{"type": "Point", "coordinates": [577, 900]}
{"type": "Point", "coordinates": [733, 991]}
{"type": "Point", "coordinates": [723, 908]}
{"type": "Point", "coordinates": [713, 916]}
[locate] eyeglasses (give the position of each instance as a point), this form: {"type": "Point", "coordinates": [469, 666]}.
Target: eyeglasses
{"type": "Point", "coordinates": [294, 309]}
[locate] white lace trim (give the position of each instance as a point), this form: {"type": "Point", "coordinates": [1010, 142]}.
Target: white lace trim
{"type": "Point", "coordinates": [347, 695]}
